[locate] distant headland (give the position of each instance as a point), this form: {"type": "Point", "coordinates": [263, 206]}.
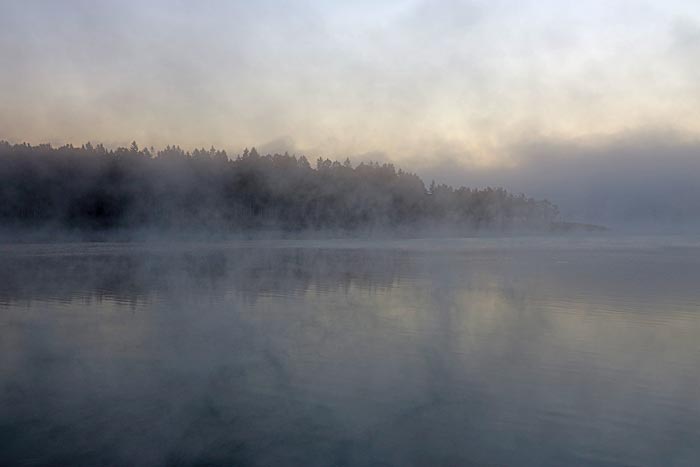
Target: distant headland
{"type": "Point", "coordinates": [91, 188]}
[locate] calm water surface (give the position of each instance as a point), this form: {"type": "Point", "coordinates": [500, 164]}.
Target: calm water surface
{"type": "Point", "coordinates": [408, 353]}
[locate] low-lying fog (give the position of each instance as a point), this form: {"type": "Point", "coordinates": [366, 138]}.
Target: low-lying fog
{"type": "Point", "coordinates": [529, 351]}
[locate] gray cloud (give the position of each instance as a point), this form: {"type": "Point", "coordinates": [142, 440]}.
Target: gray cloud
{"type": "Point", "coordinates": [345, 77]}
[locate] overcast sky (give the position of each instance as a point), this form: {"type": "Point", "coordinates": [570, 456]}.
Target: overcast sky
{"type": "Point", "coordinates": [471, 85]}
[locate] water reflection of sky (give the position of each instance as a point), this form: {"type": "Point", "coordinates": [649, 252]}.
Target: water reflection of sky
{"type": "Point", "coordinates": [350, 356]}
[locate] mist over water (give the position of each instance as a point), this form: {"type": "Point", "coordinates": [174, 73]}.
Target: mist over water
{"type": "Point", "coordinates": [396, 233]}
{"type": "Point", "coordinates": [529, 351]}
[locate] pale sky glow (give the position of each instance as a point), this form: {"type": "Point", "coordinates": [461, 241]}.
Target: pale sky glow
{"type": "Point", "coordinates": [411, 81]}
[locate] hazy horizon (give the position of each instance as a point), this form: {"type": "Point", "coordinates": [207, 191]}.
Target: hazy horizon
{"type": "Point", "coordinates": [540, 97]}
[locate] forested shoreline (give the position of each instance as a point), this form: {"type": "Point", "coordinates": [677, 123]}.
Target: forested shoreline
{"type": "Point", "coordinates": [91, 188]}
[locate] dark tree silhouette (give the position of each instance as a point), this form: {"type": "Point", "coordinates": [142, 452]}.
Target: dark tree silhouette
{"type": "Point", "coordinates": [93, 188]}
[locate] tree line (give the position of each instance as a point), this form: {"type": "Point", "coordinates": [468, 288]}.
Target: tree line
{"type": "Point", "coordinates": [95, 188]}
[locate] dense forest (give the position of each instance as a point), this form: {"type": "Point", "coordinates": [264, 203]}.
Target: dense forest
{"type": "Point", "coordinates": [94, 188]}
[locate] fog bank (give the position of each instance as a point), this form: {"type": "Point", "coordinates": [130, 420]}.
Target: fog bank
{"type": "Point", "coordinates": [636, 179]}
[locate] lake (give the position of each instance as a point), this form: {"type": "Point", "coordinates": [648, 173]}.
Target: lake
{"type": "Point", "coordinates": [444, 352]}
